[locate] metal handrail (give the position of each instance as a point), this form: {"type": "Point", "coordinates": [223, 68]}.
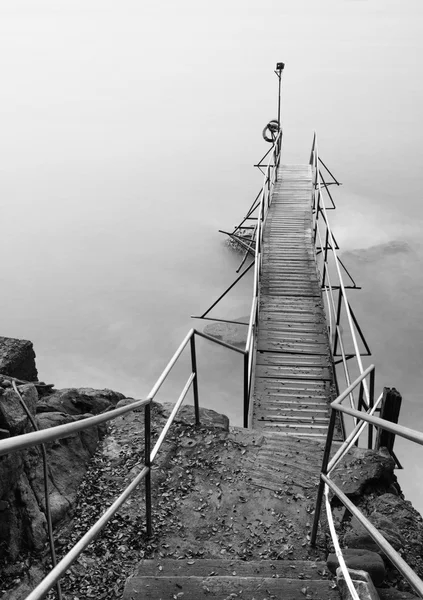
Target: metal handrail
{"type": "Point", "coordinates": [366, 419]}
{"type": "Point", "coordinates": [269, 180]}
{"type": "Point", "coordinates": [27, 440]}
{"type": "Point", "coordinates": [327, 242]}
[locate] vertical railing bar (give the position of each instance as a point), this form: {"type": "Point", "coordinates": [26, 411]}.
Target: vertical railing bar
{"type": "Point", "coordinates": [147, 462]}
{"type": "Point", "coordinates": [246, 388]}
{"type": "Point", "coordinates": [46, 491]}
{"type": "Point", "coordinates": [326, 257]}
{"type": "Point", "coordinates": [371, 402]}
{"type": "Point", "coordinates": [195, 380]}
{"type": "Point", "coordinates": [338, 321]}
{"type": "Point", "coordinates": [325, 461]}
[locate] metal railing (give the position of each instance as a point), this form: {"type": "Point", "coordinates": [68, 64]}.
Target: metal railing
{"type": "Point", "coordinates": [35, 438]}
{"type": "Point", "coordinates": [337, 306]}
{"type": "Point", "coordinates": [362, 420]}
{"type": "Point", "coordinates": [270, 178]}
{"type": "Point", "coordinates": [253, 247]}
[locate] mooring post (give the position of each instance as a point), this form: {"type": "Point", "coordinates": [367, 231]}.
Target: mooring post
{"type": "Point", "coordinates": [389, 410]}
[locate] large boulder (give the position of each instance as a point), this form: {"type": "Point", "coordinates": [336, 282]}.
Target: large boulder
{"type": "Point", "coordinates": [17, 359]}
{"type": "Point", "coordinates": [362, 469]}
{"type": "Point", "coordinates": [78, 401]}
{"type": "Point", "coordinates": [361, 560]}
{"type": "Point", "coordinates": [22, 500]}
{"type": "Point", "coordinates": [186, 414]}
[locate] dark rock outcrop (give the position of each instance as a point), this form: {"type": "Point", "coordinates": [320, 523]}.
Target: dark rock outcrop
{"type": "Point", "coordinates": [368, 478]}
{"type": "Point", "coordinates": [365, 469]}
{"type": "Point", "coordinates": [79, 401]}
{"type": "Point", "coordinates": [359, 560]}
{"type": "Point", "coordinates": [17, 359]}
{"type": "Point", "coordinates": [22, 496]}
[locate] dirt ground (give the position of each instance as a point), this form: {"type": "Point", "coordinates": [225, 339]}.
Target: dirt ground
{"type": "Point", "coordinates": [204, 505]}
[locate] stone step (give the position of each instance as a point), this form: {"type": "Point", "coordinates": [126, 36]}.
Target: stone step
{"type": "Point", "coordinates": [208, 567]}
{"type": "Point", "coordinates": [228, 588]}
{"type": "Point", "coordinates": [222, 579]}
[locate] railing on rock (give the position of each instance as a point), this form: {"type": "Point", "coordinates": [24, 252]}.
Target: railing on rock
{"type": "Point", "coordinates": [334, 288]}
{"type": "Point", "coordinates": [28, 440]}
{"type": "Point", "coordinates": [363, 420]}
{"type": "Point", "coordinates": [362, 405]}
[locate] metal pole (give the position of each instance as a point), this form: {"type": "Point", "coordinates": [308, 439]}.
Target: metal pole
{"type": "Point", "coordinates": [371, 404]}
{"type": "Point", "coordinates": [147, 460]}
{"type": "Point", "coordinates": [195, 381]}
{"type": "Point", "coordinates": [246, 388]}
{"type": "Point", "coordinates": [338, 320]}
{"type": "Point", "coordinates": [324, 471]}
{"type": "Point", "coordinates": [279, 68]}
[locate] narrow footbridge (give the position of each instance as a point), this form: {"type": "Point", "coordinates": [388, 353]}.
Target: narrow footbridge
{"type": "Point", "coordinates": [294, 378]}
{"type": "Point", "coordinates": [301, 360]}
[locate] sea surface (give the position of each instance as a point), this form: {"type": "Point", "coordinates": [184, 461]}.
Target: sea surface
{"type": "Point", "coordinates": [128, 135]}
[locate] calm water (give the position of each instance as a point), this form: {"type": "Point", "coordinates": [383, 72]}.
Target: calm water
{"type": "Point", "coordinates": [128, 138]}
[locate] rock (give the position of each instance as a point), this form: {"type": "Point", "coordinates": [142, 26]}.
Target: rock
{"type": "Point", "coordinates": [399, 509]}
{"type": "Point", "coordinates": [34, 527]}
{"type": "Point", "coordinates": [79, 401]}
{"type": "Point", "coordinates": [68, 459]}
{"type": "Point", "coordinates": [29, 579]}
{"type": "Point", "coordinates": [17, 359]}
{"type": "Point", "coordinates": [362, 583]}
{"type": "Point", "coordinates": [186, 414]}
{"type": "Point", "coordinates": [363, 468]}
{"type": "Point", "coordinates": [361, 539]}
{"type": "Point", "coordinates": [22, 501]}
{"type": "Point", "coordinates": [362, 560]}
{"type": "Point", "coordinates": [126, 402]}
{"type": "Point", "coordinates": [357, 536]}
{"type": "Point", "coordinates": [394, 594]}
{"type": "Point", "coordinates": [389, 529]}
{"type": "Point", "coordinates": [12, 414]}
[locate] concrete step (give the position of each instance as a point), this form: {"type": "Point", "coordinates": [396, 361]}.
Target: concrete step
{"type": "Point", "coordinates": [218, 579]}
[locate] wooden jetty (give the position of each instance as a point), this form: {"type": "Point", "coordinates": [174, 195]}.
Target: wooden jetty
{"type": "Point", "coordinates": [294, 379]}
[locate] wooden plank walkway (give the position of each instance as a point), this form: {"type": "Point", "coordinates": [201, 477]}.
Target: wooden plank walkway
{"type": "Point", "coordinates": [294, 379]}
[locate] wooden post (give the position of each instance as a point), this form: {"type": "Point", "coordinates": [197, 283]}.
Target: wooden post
{"type": "Point", "coordinates": [389, 410]}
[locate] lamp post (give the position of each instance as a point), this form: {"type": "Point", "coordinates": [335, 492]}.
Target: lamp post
{"type": "Point", "coordinates": [279, 68]}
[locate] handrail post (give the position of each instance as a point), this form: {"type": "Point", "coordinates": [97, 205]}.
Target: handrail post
{"type": "Point", "coordinates": [324, 471]}
{"type": "Point", "coordinates": [338, 321]}
{"type": "Point", "coordinates": [195, 381]}
{"type": "Point", "coordinates": [246, 388]}
{"type": "Point", "coordinates": [371, 404]}
{"type": "Point", "coordinates": [147, 461]}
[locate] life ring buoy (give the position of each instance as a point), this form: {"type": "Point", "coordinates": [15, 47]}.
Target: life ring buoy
{"type": "Point", "coordinates": [270, 131]}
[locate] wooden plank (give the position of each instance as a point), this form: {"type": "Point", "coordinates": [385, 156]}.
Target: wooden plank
{"type": "Point", "coordinates": [276, 359]}
{"type": "Point", "coordinates": [293, 374]}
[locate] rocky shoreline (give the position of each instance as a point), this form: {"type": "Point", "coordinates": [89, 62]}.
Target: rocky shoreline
{"type": "Point", "coordinates": [206, 502]}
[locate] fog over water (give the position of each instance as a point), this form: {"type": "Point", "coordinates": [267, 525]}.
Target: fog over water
{"type": "Point", "coordinates": [128, 135]}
